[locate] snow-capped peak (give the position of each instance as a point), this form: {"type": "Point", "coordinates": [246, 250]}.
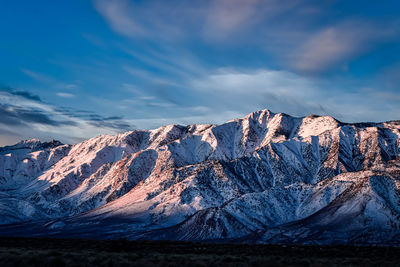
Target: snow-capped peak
{"type": "Point", "coordinates": [265, 173]}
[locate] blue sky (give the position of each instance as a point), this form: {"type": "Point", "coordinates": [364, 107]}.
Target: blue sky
{"type": "Point", "coordinates": [71, 70]}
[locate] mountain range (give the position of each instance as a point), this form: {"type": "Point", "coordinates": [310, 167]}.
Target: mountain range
{"type": "Point", "coordinates": [264, 178]}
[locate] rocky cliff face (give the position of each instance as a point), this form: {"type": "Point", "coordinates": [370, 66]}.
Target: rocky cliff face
{"type": "Point", "coordinates": [262, 178]}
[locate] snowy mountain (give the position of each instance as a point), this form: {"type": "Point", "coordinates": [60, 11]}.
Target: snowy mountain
{"type": "Point", "coordinates": [263, 178]}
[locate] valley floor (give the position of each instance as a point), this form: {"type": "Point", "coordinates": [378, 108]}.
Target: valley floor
{"type": "Point", "coordinates": [82, 252]}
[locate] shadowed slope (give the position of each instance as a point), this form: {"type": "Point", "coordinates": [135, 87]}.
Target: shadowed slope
{"type": "Point", "coordinates": [245, 178]}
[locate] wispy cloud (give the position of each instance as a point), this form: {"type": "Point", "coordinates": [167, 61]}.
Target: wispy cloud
{"type": "Point", "coordinates": [155, 19]}
{"type": "Point", "coordinates": [224, 18]}
{"type": "Point", "coordinates": [337, 44]}
{"type": "Point", "coordinates": [118, 15]}
{"type": "Point", "coordinates": [296, 33]}
{"type": "Point", "coordinates": [227, 16]}
{"type": "Point", "coordinates": [45, 79]}
{"type": "Point", "coordinates": [295, 94]}
{"type": "Point", "coordinates": [12, 115]}
{"type": "Point", "coordinates": [71, 86]}
{"type": "Point", "coordinates": [40, 77]}
{"type": "Point", "coordinates": [247, 90]}
{"type": "Point", "coordinates": [65, 95]}
{"type": "Point", "coordinates": [212, 20]}
{"type": "Point", "coordinates": [24, 112]}
{"type": "Point", "coordinates": [23, 94]}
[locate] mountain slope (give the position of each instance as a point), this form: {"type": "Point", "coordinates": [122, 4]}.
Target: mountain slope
{"type": "Point", "coordinates": [250, 179]}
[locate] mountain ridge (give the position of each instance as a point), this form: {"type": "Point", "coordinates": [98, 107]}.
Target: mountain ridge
{"type": "Point", "coordinates": [247, 179]}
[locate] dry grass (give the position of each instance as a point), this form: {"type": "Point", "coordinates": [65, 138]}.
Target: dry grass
{"type": "Point", "coordinates": [75, 252]}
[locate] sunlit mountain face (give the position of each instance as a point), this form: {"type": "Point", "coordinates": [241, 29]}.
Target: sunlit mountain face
{"type": "Point", "coordinates": [265, 177]}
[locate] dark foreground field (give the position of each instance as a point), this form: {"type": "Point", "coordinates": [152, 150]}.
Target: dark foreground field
{"type": "Point", "coordinates": [76, 252]}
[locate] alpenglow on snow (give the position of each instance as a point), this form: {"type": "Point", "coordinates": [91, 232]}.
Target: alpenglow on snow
{"type": "Point", "coordinates": [267, 177]}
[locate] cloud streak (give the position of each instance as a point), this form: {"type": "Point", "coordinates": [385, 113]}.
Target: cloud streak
{"type": "Point", "coordinates": [288, 92]}
{"type": "Point", "coordinates": [337, 44]}
{"type": "Point", "coordinates": [118, 15]}
{"type": "Point", "coordinates": [213, 20]}
{"type": "Point", "coordinates": [65, 95]}
{"type": "Point", "coordinates": [26, 113]}
{"type": "Point", "coordinates": [296, 33]}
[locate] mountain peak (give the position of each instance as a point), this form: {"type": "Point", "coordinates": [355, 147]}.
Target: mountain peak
{"type": "Point", "coordinates": [256, 178]}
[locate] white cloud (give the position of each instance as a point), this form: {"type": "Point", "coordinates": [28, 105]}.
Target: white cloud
{"type": "Point", "coordinates": [254, 82]}
{"type": "Point", "coordinates": [65, 95]}
{"type": "Point", "coordinates": [295, 33]}
{"type": "Point", "coordinates": [40, 77]}
{"type": "Point", "coordinates": [336, 44]}
{"type": "Point", "coordinates": [226, 18]}
{"type": "Point", "coordinates": [30, 117]}
{"type": "Point", "coordinates": [212, 20]}
{"type": "Point", "coordinates": [283, 91]}
{"type": "Point", "coordinates": [70, 86]}
{"type": "Point", "coordinates": [156, 19]}
{"type": "Point", "coordinates": [118, 14]}
{"type": "Point", "coordinates": [247, 91]}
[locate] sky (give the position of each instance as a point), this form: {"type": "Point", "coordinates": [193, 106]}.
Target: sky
{"type": "Point", "coordinates": [72, 70]}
